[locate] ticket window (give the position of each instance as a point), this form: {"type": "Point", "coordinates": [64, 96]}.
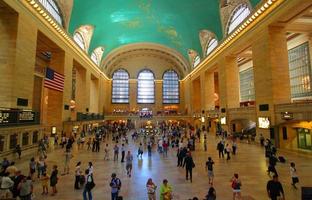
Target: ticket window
{"type": "Point", "coordinates": [304, 138]}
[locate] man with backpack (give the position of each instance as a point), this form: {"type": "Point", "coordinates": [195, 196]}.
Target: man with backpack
{"type": "Point", "coordinates": [115, 184]}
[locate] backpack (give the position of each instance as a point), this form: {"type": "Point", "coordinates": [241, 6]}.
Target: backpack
{"type": "Point", "coordinates": [117, 182]}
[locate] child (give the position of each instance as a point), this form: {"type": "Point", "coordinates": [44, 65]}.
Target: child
{"type": "Point", "coordinates": [44, 182]}
{"type": "Point", "coordinates": [106, 151]}
{"type": "Point", "coordinates": [293, 174]}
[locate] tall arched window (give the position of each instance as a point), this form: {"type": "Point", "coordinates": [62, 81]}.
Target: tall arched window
{"type": "Point", "coordinates": [171, 87]}
{"type": "Point", "coordinates": [238, 15]}
{"type": "Point", "coordinates": [53, 9]}
{"type": "Point", "coordinates": [120, 86]}
{"type": "Point", "coordinates": [213, 43]}
{"type": "Point", "coordinates": [79, 40]}
{"type": "Point", "coordinates": [94, 58]}
{"type": "Point", "coordinates": [146, 87]}
{"type": "Point", "coordinates": [196, 61]}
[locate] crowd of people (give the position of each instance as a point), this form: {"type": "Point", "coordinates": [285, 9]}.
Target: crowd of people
{"type": "Point", "coordinates": [181, 139]}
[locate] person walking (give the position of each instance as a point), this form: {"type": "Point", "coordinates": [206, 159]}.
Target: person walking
{"type": "Point", "coordinates": [149, 149]}
{"type": "Point", "coordinates": [115, 185]}
{"type": "Point", "coordinates": [189, 165]}
{"type": "Point", "coordinates": [68, 157]}
{"type": "Point", "coordinates": [151, 189]}
{"type": "Point", "coordinates": [236, 186]}
{"type": "Point", "coordinates": [228, 150]}
{"type": "Point", "coordinates": [32, 167]}
{"type": "Point", "coordinates": [234, 148]}
{"type": "Point", "coordinates": [129, 159]}
{"type": "Point", "coordinates": [220, 148]}
{"type": "Point", "coordinates": [293, 174]}
{"type": "Point", "coordinates": [209, 168]}
{"type": "Point", "coordinates": [106, 152]}
{"type": "Point", "coordinates": [211, 194]}
{"type": "Point", "coordinates": [88, 186]}
{"type": "Point", "coordinates": [165, 191]}
{"type": "Point", "coordinates": [275, 189]}
{"type": "Point", "coordinates": [123, 152]}
{"type": "Point", "coordinates": [272, 163]}
{"type": "Point", "coordinates": [140, 151]}
{"type": "Point", "coordinates": [90, 168]}
{"type": "Point", "coordinates": [77, 175]}
{"type": "Point", "coordinates": [116, 152]}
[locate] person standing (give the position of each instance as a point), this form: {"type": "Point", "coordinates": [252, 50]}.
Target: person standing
{"type": "Point", "coordinates": [18, 150]}
{"type": "Point", "coordinates": [211, 194]}
{"type": "Point", "coordinates": [45, 183]}
{"type": "Point", "coordinates": [293, 174]}
{"type": "Point", "coordinates": [115, 185]}
{"type": "Point", "coordinates": [116, 152]}
{"type": "Point", "coordinates": [77, 175]}
{"type": "Point", "coordinates": [189, 165]}
{"type": "Point", "coordinates": [54, 179]}
{"type": "Point", "coordinates": [151, 189]}
{"type": "Point", "coordinates": [90, 168]}
{"type": "Point", "coordinates": [275, 188]}
{"type": "Point", "coordinates": [140, 151]}
{"type": "Point", "coordinates": [25, 188]}
{"type": "Point", "coordinates": [6, 184]}
{"type": "Point", "coordinates": [123, 152]}
{"type": "Point", "coordinates": [205, 142]}
{"type": "Point", "coordinates": [220, 148]}
{"type": "Point", "coordinates": [68, 157]}
{"type": "Point", "coordinates": [234, 148]}
{"type": "Point", "coordinates": [32, 167]}
{"type": "Point", "coordinates": [129, 159]}
{"type": "Point", "coordinates": [272, 163]}
{"type": "Point", "coordinates": [236, 186]}
{"type": "Point", "coordinates": [209, 168]}
{"type": "Point", "coordinates": [149, 149]}
{"type": "Point", "coordinates": [165, 191]}
{"type": "Point", "coordinates": [88, 186]}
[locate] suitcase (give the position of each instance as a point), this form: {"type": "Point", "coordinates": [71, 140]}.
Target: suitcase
{"type": "Point", "coordinates": [281, 159]}
{"type": "Point", "coordinates": [120, 198]}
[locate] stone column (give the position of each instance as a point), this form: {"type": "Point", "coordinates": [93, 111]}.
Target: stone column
{"type": "Point", "coordinates": [68, 69]}
{"type": "Point", "coordinates": [26, 42]}
{"type": "Point", "coordinates": [271, 73]}
{"type": "Point", "coordinates": [209, 88]}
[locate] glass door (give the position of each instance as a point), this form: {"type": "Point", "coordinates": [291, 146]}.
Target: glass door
{"type": "Point", "coordinates": [304, 139]}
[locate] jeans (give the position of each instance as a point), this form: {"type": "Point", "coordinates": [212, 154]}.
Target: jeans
{"type": "Point", "coordinates": [114, 196]}
{"type": "Point", "coordinates": [85, 191]}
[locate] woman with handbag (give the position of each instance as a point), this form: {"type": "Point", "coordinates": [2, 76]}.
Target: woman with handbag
{"type": "Point", "coordinates": [165, 191]}
{"type": "Point", "coordinates": [151, 189]}
{"type": "Point", "coordinates": [88, 186]}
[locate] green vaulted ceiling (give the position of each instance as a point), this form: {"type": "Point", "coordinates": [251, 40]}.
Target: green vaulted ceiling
{"type": "Point", "coordinates": [174, 23]}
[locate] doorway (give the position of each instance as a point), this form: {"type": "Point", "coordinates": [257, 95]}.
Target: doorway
{"type": "Point", "coordinates": [304, 138]}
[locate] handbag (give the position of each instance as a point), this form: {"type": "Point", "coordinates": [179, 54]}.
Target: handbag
{"type": "Point", "coordinates": [90, 185]}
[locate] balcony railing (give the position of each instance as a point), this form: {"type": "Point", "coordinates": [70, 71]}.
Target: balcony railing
{"type": "Point", "coordinates": [89, 116]}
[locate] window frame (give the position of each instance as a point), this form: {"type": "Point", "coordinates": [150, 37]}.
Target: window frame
{"type": "Point", "coordinates": [112, 87]}
{"type": "Point", "coordinates": [243, 7]}
{"type": "Point", "coordinates": [210, 42]}
{"type": "Point", "coordinates": [163, 80]}
{"type": "Point", "coordinates": [196, 58]}
{"type": "Point", "coordinates": [83, 41]}
{"type": "Point", "coordinates": [52, 4]}
{"type": "Point", "coordinates": [154, 94]}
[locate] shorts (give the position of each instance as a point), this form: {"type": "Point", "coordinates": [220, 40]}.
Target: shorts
{"type": "Point", "coordinates": [236, 190]}
{"type": "Point", "coordinates": [129, 167]}
{"type": "Point", "coordinates": [210, 174]}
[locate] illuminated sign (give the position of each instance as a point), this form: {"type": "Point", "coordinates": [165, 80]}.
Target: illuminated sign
{"type": "Point", "coordinates": [263, 122]}
{"type": "Point", "coordinates": [223, 120]}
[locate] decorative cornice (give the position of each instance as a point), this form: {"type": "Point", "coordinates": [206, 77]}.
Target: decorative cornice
{"type": "Point", "coordinates": [48, 20]}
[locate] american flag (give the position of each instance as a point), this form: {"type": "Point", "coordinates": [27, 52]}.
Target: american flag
{"type": "Point", "coordinates": [54, 80]}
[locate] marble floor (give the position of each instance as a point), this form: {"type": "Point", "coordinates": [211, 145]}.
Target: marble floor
{"type": "Point", "coordinates": [250, 163]}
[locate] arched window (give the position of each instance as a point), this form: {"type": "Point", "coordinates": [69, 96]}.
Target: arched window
{"type": "Point", "coordinates": [53, 9]}
{"type": "Point", "coordinates": [120, 86]}
{"type": "Point", "coordinates": [171, 87]}
{"type": "Point", "coordinates": [146, 87]}
{"type": "Point", "coordinates": [213, 43]}
{"type": "Point", "coordinates": [238, 15]}
{"type": "Point", "coordinates": [97, 54]}
{"type": "Point", "coordinates": [196, 61]}
{"type": "Point", "coordinates": [94, 58]}
{"type": "Point", "coordinates": [79, 40]}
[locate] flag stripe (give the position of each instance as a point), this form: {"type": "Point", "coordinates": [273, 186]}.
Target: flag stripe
{"type": "Point", "coordinates": [54, 80]}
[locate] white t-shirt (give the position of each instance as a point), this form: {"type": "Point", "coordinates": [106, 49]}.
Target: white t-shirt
{"type": "Point", "coordinates": [293, 172]}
